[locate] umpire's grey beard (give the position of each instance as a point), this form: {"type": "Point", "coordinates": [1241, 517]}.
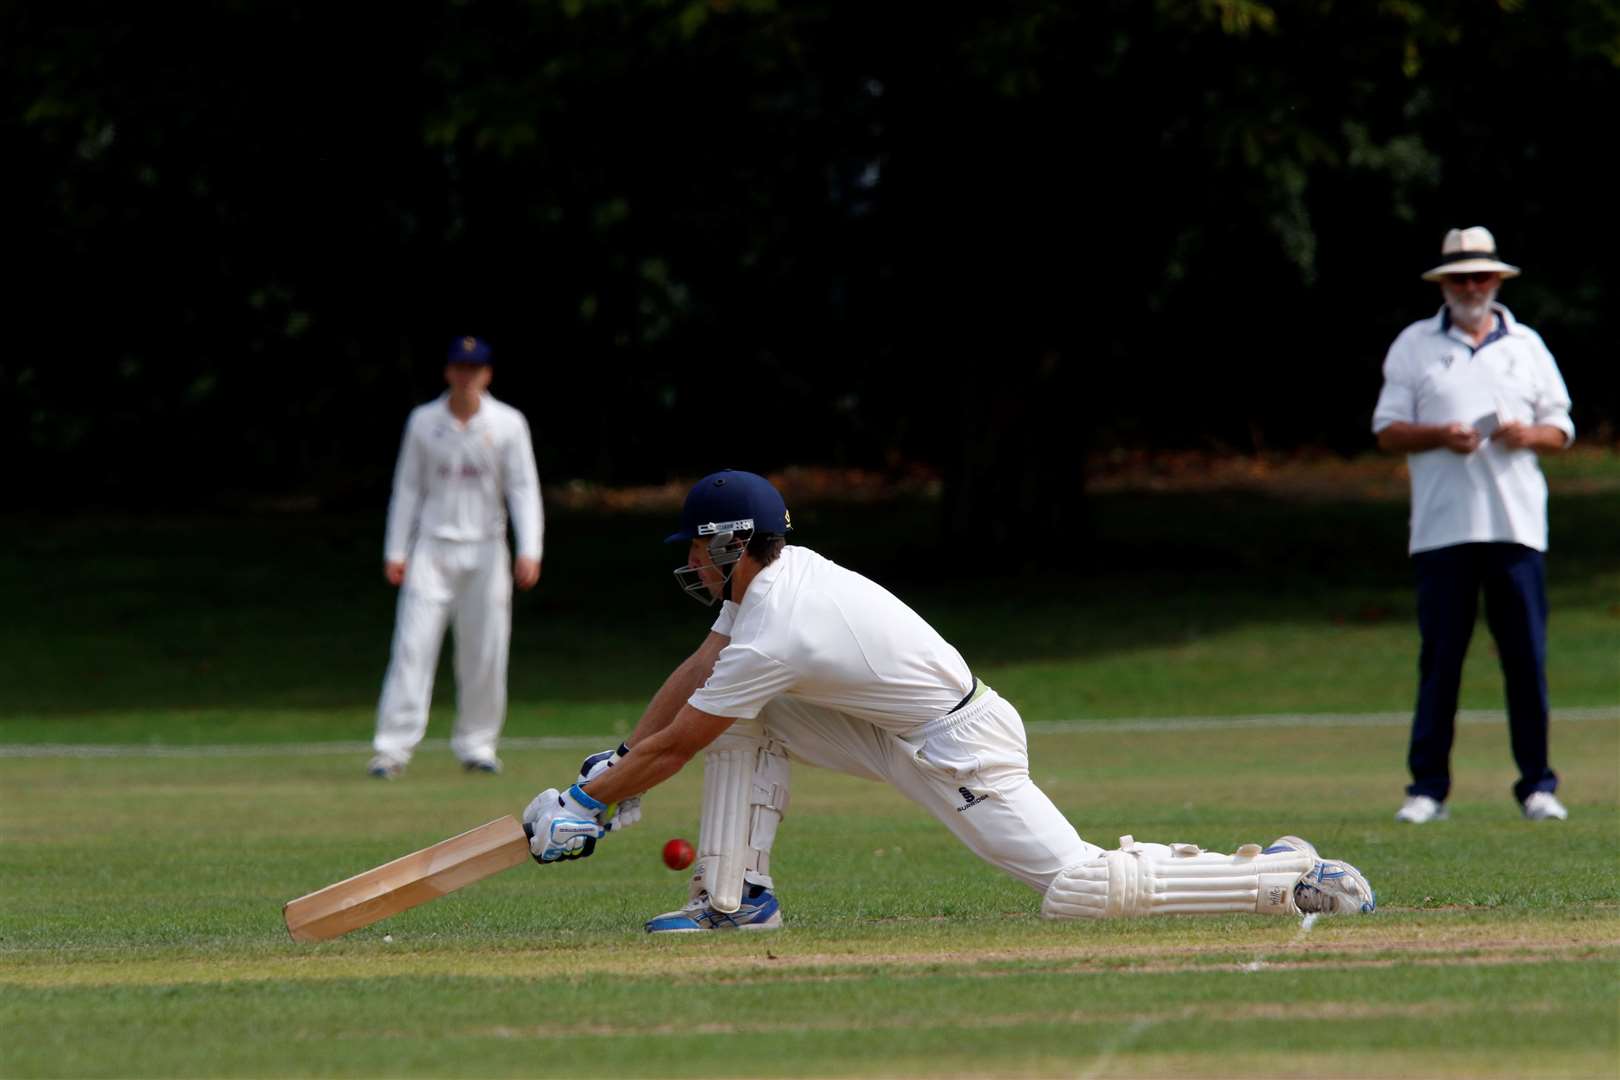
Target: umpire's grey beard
{"type": "Point", "coordinates": [1470, 312]}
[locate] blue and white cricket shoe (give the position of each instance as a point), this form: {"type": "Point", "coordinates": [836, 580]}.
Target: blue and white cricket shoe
{"type": "Point", "coordinates": [1330, 887]}
{"type": "Point", "coordinates": [1291, 843]}
{"type": "Point", "coordinates": [759, 911]}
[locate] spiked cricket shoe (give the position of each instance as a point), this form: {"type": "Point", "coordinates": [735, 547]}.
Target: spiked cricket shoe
{"type": "Point", "coordinates": [1291, 843]}
{"type": "Point", "coordinates": [1335, 888]}
{"type": "Point", "coordinates": [759, 911]}
{"type": "Point", "coordinates": [383, 767]}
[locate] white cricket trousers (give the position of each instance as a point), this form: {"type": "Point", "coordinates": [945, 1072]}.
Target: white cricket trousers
{"type": "Point", "coordinates": [969, 769]}
{"type": "Point", "coordinates": [472, 583]}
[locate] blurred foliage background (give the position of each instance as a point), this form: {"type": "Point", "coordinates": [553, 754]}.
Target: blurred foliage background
{"type": "Point", "coordinates": [981, 239]}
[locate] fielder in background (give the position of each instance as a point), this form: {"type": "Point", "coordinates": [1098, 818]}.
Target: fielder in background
{"type": "Point", "coordinates": [1472, 396]}
{"type": "Point", "coordinates": [464, 457]}
{"type": "Point", "coordinates": [811, 663]}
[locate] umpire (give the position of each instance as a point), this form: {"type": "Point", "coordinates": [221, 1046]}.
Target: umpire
{"type": "Point", "coordinates": [1472, 396]}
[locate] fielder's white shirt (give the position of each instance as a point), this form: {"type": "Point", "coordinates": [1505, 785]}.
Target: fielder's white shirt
{"type": "Point", "coordinates": [1433, 375]}
{"type": "Point", "coordinates": [453, 480]}
{"type": "Point", "coordinates": [812, 630]}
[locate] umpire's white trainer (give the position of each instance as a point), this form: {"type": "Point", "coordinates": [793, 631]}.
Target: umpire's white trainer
{"type": "Point", "coordinates": [1418, 809]}
{"type": "Point", "coordinates": [759, 911]}
{"type": "Point", "coordinates": [1544, 806]}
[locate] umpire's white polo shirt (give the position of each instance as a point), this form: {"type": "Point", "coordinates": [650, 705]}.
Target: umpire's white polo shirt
{"type": "Point", "coordinates": [827, 636]}
{"type": "Point", "coordinates": [1434, 375]}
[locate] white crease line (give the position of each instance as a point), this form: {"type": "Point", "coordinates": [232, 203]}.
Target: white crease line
{"type": "Point", "coordinates": [1294, 720]}
{"type": "Point", "coordinates": [93, 750]}
{"type": "Point", "coordinates": [580, 742]}
{"type": "Point", "coordinates": [1305, 924]}
{"type": "Point", "coordinates": [1124, 1041]}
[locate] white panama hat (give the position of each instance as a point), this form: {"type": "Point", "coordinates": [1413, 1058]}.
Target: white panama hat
{"type": "Point", "coordinates": [1469, 251]}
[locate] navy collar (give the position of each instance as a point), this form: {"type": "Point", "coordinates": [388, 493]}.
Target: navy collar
{"type": "Point", "coordinates": [1498, 332]}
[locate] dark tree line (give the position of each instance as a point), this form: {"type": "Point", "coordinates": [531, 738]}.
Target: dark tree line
{"type": "Point", "coordinates": [987, 237]}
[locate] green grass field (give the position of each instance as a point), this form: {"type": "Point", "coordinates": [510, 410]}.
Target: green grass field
{"type": "Point", "coordinates": [180, 714]}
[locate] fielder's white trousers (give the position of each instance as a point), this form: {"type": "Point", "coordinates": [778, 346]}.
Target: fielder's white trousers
{"type": "Point", "coordinates": [470, 583]}
{"type": "Point", "coordinates": [970, 770]}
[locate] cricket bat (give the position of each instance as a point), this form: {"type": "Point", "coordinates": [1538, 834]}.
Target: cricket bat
{"type": "Point", "coordinates": [407, 881]}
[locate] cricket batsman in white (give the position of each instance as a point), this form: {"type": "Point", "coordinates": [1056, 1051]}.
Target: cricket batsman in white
{"type": "Point", "coordinates": [464, 458]}
{"type": "Point", "coordinates": [809, 662]}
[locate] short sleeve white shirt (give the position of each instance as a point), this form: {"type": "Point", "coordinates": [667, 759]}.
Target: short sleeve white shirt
{"type": "Point", "coordinates": [817, 632]}
{"type": "Point", "coordinates": [1433, 375]}
{"type": "Point", "coordinates": [453, 481]}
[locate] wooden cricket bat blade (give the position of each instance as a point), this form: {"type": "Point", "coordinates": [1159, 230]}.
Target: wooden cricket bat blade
{"type": "Point", "coordinates": [407, 881]}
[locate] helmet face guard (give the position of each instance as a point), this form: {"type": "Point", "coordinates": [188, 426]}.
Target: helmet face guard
{"type": "Point", "coordinates": [727, 541]}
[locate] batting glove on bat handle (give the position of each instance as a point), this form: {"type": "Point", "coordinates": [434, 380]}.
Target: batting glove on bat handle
{"type": "Point", "coordinates": [597, 763]}
{"type": "Point", "coordinates": [563, 826]}
{"type": "Point", "coordinates": [626, 812]}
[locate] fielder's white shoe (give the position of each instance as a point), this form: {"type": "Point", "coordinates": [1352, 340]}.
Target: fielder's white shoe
{"type": "Point", "coordinates": [1544, 806]}
{"type": "Point", "coordinates": [383, 767]}
{"type": "Point", "coordinates": [490, 765]}
{"type": "Point", "coordinates": [759, 911]}
{"type": "Point", "coordinates": [1418, 809]}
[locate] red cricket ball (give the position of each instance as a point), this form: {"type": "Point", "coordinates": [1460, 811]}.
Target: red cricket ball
{"type": "Point", "coordinates": [678, 854]}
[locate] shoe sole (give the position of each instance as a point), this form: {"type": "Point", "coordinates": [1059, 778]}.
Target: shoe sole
{"type": "Point", "coordinates": [766, 925]}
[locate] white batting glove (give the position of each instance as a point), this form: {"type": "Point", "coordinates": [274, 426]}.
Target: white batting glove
{"type": "Point", "coordinates": [628, 811]}
{"type": "Point", "coordinates": [563, 825]}
{"type": "Point", "coordinates": [601, 762]}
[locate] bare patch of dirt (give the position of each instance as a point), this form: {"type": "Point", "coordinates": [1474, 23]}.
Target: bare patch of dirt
{"type": "Point", "coordinates": [1351, 943]}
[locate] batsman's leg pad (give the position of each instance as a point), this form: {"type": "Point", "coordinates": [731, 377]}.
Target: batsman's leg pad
{"type": "Point", "coordinates": [1176, 879]}
{"type": "Point", "coordinates": [745, 794]}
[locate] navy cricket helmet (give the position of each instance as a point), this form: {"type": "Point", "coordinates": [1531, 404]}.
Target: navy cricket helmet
{"type": "Point", "coordinates": [728, 508]}
{"type": "Point", "coordinates": [731, 501]}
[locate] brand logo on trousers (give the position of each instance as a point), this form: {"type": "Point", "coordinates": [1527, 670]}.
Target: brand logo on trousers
{"type": "Point", "coordinates": [970, 800]}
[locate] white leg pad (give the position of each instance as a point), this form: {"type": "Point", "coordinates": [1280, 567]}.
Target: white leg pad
{"type": "Point", "coordinates": [1177, 879]}
{"type": "Point", "coordinates": [745, 794]}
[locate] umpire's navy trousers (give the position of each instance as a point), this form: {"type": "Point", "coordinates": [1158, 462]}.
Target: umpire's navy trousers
{"type": "Point", "coordinates": [1449, 582]}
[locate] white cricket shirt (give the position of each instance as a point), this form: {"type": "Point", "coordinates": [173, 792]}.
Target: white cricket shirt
{"type": "Point", "coordinates": [1433, 375]}
{"type": "Point", "coordinates": [812, 630]}
{"type": "Point", "coordinates": [453, 480]}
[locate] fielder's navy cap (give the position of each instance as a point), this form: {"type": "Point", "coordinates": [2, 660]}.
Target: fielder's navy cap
{"type": "Point", "coordinates": [730, 501]}
{"type": "Point", "coordinates": [470, 350]}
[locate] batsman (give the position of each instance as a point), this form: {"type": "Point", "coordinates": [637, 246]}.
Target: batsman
{"type": "Point", "coordinates": [809, 663]}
